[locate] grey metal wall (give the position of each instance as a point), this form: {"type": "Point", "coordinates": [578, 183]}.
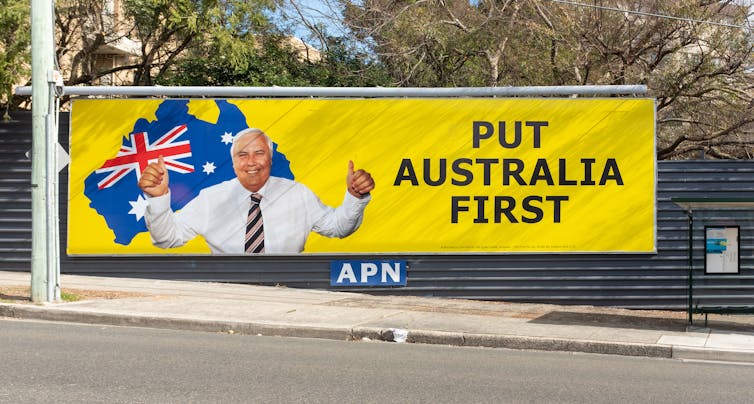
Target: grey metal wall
{"type": "Point", "coordinates": [15, 193]}
{"type": "Point", "coordinates": [625, 280]}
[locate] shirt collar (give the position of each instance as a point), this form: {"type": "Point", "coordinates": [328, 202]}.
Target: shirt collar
{"type": "Point", "coordinates": [245, 193]}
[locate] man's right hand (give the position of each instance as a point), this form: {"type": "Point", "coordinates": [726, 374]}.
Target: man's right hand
{"type": "Point", "coordinates": [154, 179]}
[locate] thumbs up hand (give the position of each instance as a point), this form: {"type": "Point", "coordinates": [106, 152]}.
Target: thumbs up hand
{"type": "Point", "coordinates": [154, 178]}
{"type": "Point", "coordinates": [359, 182]}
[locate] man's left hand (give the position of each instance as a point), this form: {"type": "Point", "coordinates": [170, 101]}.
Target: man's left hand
{"type": "Point", "coordinates": [359, 182]}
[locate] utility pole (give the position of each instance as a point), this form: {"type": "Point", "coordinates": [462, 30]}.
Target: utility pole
{"type": "Point", "coordinates": [45, 265]}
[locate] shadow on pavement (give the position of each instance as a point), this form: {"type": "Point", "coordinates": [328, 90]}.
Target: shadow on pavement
{"type": "Point", "coordinates": [13, 298]}
{"type": "Point", "coordinates": [611, 320]}
{"type": "Point", "coordinates": [641, 322]}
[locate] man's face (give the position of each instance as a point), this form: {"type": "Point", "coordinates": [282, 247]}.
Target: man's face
{"type": "Point", "coordinates": [252, 160]}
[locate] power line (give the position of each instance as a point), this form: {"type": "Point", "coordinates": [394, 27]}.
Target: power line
{"type": "Point", "coordinates": [645, 14]}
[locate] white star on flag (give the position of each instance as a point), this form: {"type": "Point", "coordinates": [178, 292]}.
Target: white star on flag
{"type": "Point", "coordinates": [138, 207]}
{"type": "Point", "coordinates": [208, 168]}
{"type": "Point", "coordinates": [227, 138]}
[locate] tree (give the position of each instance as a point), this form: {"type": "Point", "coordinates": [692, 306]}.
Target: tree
{"type": "Point", "coordinates": [694, 56]}
{"type": "Point", "coordinates": [272, 60]}
{"type": "Point", "coordinates": [15, 38]}
{"type": "Point", "coordinates": [81, 29]}
{"type": "Point", "coordinates": [181, 42]}
{"type": "Point", "coordinates": [453, 43]}
{"type": "Point", "coordinates": [697, 64]}
{"type": "Point", "coordinates": [168, 28]}
{"type": "Point", "coordinates": [697, 68]}
{"type": "Point", "coordinates": [164, 31]}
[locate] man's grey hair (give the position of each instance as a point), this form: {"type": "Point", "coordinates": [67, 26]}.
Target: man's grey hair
{"type": "Point", "coordinates": [249, 131]}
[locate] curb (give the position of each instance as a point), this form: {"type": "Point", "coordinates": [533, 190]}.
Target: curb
{"type": "Point", "coordinates": [706, 354]}
{"type": "Point", "coordinates": [355, 334]}
{"type": "Point", "coordinates": [541, 344]}
{"type": "Point", "coordinates": [41, 313]}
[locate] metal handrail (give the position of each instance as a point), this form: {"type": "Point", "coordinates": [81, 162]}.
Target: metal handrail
{"type": "Point", "coordinates": [361, 92]}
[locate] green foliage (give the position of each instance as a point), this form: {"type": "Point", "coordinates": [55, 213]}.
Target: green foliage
{"type": "Point", "coordinates": [343, 66]}
{"type": "Point", "coordinates": [271, 60]}
{"type": "Point", "coordinates": [197, 42]}
{"type": "Point", "coordinates": [697, 66]}
{"type": "Point", "coordinates": [700, 73]}
{"type": "Point", "coordinates": [170, 29]}
{"type": "Point", "coordinates": [15, 39]}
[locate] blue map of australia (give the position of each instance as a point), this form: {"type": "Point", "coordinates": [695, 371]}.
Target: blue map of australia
{"type": "Point", "coordinates": [196, 152]}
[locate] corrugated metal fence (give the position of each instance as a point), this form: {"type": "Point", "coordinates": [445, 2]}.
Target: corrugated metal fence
{"type": "Point", "coordinates": [625, 280]}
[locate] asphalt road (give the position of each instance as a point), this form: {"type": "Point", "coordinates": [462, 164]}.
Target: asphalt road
{"type": "Point", "coordinates": [57, 362]}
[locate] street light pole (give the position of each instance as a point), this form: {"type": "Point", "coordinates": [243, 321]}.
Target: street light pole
{"type": "Point", "coordinates": [45, 267]}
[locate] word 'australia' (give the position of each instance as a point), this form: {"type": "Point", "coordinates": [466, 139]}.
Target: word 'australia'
{"type": "Point", "coordinates": [509, 171]}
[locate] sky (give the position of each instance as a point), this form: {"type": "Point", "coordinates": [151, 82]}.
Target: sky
{"type": "Point", "coordinates": [321, 12]}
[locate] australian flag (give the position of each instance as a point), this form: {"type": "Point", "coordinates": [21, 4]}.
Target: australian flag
{"type": "Point", "coordinates": [196, 152]}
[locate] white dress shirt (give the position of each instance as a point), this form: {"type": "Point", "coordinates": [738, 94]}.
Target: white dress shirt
{"type": "Point", "coordinates": [290, 212]}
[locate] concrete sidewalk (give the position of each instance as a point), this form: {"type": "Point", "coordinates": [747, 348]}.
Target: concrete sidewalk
{"type": "Point", "coordinates": [249, 309]}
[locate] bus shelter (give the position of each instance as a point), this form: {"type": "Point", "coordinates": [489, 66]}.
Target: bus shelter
{"type": "Point", "coordinates": [722, 220]}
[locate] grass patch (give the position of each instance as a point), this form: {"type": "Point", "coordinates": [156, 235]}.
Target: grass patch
{"type": "Point", "coordinates": [70, 297]}
{"type": "Point", "coordinates": [22, 295]}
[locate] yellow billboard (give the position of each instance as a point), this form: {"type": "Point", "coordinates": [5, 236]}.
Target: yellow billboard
{"type": "Point", "coordinates": [436, 175]}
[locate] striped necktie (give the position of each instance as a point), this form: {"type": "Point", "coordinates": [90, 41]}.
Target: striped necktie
{"type": "Point", "coordinates": [254, 243]}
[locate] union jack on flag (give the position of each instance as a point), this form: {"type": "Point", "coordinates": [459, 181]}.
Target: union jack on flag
{"type": "Point", "coordinates": [140, 153]}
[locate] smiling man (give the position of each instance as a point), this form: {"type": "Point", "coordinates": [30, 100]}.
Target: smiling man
{"type": "Point", "coordinates": [254, 212]}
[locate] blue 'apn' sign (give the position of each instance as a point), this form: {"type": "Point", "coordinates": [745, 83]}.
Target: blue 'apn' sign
{"type": "Point", "coordinates": [368, 273]}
